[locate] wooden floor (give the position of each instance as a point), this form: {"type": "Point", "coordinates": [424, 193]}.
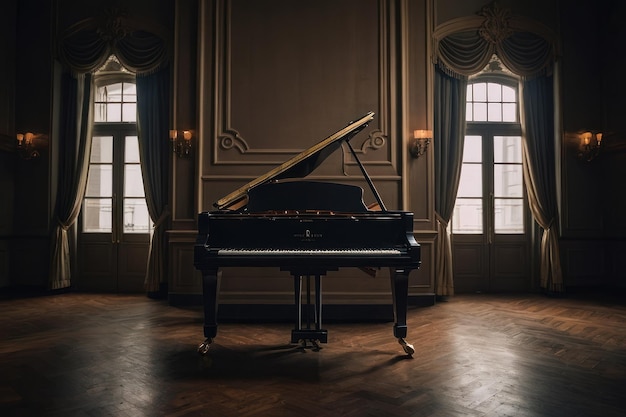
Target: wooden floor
{"type": "Point", "coordinates": [476, 355]}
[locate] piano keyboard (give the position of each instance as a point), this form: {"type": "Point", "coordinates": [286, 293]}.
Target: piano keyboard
{"type": "Point", "coordinates": [311, 252]}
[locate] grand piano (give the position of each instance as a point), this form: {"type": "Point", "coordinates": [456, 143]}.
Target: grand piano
{"type": "Point", "coordinates": [307, 228]}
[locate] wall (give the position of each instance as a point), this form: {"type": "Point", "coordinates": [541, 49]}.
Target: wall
{"type": "Point", "coordinates": [276, 119]}
{"type": "Point", "coordinates": [8, 11]}
{"type": "Point", "coordinates": [594, 200]}
{"type": "Point", "coordinates": [275, 78]}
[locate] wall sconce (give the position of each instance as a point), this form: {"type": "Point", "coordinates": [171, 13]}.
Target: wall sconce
{"type": "Point", "coordinates": [26, 146]}
{"type": "Point", "coordinates": [590, 144]}
{"type": "Point", "coordinates": [420, 142]}
{"type": "Point", "coordinates": [181, 146]}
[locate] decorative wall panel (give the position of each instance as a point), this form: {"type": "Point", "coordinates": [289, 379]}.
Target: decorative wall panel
{"type": "Point", "coordinates": [284, 76]}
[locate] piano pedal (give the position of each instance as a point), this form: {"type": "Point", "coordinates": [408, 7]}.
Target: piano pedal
{"type": "Point", "coordinates": [408, 348]}
{"type": "Point", "coordinates": [203, 348]}
{"type": "Point", "coordinates": [304, 344]}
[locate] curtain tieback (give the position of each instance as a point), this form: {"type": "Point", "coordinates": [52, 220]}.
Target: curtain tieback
{"type": "Point", "coordinates": [164, 215]}
{"type": "Point", "coordinates": [441, 220]}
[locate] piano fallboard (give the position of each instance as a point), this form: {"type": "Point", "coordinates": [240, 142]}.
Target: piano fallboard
{"type": "Point", "coordinates": [293, 239]}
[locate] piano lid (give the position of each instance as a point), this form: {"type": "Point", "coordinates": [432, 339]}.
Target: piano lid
{"type": "Point", "coordinates": [302, 164]}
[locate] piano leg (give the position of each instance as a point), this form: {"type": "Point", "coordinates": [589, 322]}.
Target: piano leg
{"type": "Point", "coordinates": [210, 288]}
{"type": "Point", "coordinates": [400, 295]}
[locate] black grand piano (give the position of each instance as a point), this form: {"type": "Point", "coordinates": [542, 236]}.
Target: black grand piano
{"type": "Point", "coordinates": [307, 228]}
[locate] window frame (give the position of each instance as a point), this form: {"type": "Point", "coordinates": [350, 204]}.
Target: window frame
{"type": "Point", "coordinates": [488, 130]}
{"type": "Point", "coordinates": [118, 130]}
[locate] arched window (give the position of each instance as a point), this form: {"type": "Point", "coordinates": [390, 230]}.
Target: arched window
{"type": "Point", "coordinates": [490, 198]}
{"type": "Point", "coordinates": [490, 219]}
{"type": "Point", "coordinates": [114, 223]}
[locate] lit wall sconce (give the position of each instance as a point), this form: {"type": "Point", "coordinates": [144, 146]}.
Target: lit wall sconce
{"type": "Point", "coordinates": [181, 146]}
{"type": "Point", "coordinates": [26, 145]}
{"type": "Point", "coordinates": [590, 144]}
{"type": "Point", "coordinates": [420, 142]}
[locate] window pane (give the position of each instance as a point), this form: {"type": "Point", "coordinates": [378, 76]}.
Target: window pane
{"type": "Point", "coordinates": [507, 149]}
{"type": "Point", "coordinates": [508, 94]}
{"type": "Point", "coordinates": [114, 112]}
{"type": "Point", "coordinates": [114, 92]}
{"type": "Point", "coordinates": [97, 215]}
{"type": "Point", "coordinates": [509, 112]}
{"type": "Point", "coordinates": [100, 112]}
{"type": "Point", "coordinates": [472, 149]}
{"type": "Point", "coordinates": [468, 216]}
{"type": "Point", "coordinates": [129, 112]}
{"type": "Point", "coordinates": [469, 116]}
{"type": "Point", "coordinates": [133, 185]}
{"type": "Point", "coordinates": [101, 149]}
{"type": "Point", "coordinates": [480, 112]}
{"type": "Point", "coordinates": [509, 216]}
{"type": "Point", "coordinates": [480, 92]}
{"type": "Point", "coordinates": [470, 95]}
{"type": "Point", "coordinates": [507, 180]}
{"type": "Point", "coordinates": [471, 184]}
{"type": "Point", "coordinates": [101, 94]}
{"type": "Point", "coordinates": [495, 112]}
{"type": "Point", "coordinates": [493, 92]}
{"type": "Point", "coordinates": [136, 217]}
{"type": "Point", "coordinates": [131, 149]}
{"type": "Point", "coordinates": [100, 181]}
{"type": "Point", "coordinates": [130, 92]}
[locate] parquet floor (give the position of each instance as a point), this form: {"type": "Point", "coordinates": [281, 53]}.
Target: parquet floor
{"type": "Point", "coordinates": [476, 355]}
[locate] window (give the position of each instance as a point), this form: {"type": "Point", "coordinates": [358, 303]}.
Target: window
{"type": "Point", "coordinates": [116, 103]}
{"type": "Point", "coordinates": [491, 102]}
{"type": "Point", "coordinates": [490, 198]}
{"type": "Point", "coordinates": [114, 198]}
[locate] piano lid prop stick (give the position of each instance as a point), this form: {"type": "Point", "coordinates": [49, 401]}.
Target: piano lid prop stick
{"type": "Point", "coordinates": [368, 179]}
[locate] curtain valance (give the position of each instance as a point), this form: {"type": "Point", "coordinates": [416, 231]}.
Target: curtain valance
{"type": "Point", "coordinates": [464, 47]}
{"type": "Point", "coordinates": [85, 46]}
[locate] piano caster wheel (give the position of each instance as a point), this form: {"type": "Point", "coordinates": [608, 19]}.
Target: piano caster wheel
{"type": "Point", "coordinates": [203, 349]}
{"type": "Point", "coordinates": [408, 348]}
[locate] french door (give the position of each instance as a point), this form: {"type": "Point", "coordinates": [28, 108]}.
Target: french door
{"type": "Point", "coordinates": [114, 223]}
{"type": "Point", "coordinates": [490, 239]}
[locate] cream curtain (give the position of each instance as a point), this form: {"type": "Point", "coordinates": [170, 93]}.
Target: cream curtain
{"type": "Point", "coordinates": [153, 110]}
{"type": "Point", "coordinates": [74, 151]}
{"type": "Point", "coordinates": [449, 132]}
{"type": "Point", "coordinates": [539, 175]}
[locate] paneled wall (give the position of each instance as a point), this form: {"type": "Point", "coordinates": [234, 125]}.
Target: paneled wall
{"type": "Point", "coordinates": [276, 77]}
{"type": "Point", "coordinates": [593, 197]}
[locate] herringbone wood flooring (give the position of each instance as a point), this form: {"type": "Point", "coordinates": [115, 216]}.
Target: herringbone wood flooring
{"type": "Point", "coordinates": [476, 355]}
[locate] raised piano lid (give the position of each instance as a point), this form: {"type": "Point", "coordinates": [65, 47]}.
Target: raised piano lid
{"type": "Point", "coordinates": [300, 165]}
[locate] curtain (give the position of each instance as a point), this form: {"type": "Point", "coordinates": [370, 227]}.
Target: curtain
{"type": "Point", "coordinates": [539, 174]}
{"type": "Point", "coordinates": [467, 53]}
{"type": "Point", "coordinates": [449, 131]}
{"type": "Point", "coordinates": [86, 45]}
{"type": "Point", "coordinates": [83, 49]}
{"type": "Point", "coordinates": [74, 151]}
{"type": "Point", "coordinates": [153, 110]}
{"type": "Point", "coordinates": [529, 50]}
